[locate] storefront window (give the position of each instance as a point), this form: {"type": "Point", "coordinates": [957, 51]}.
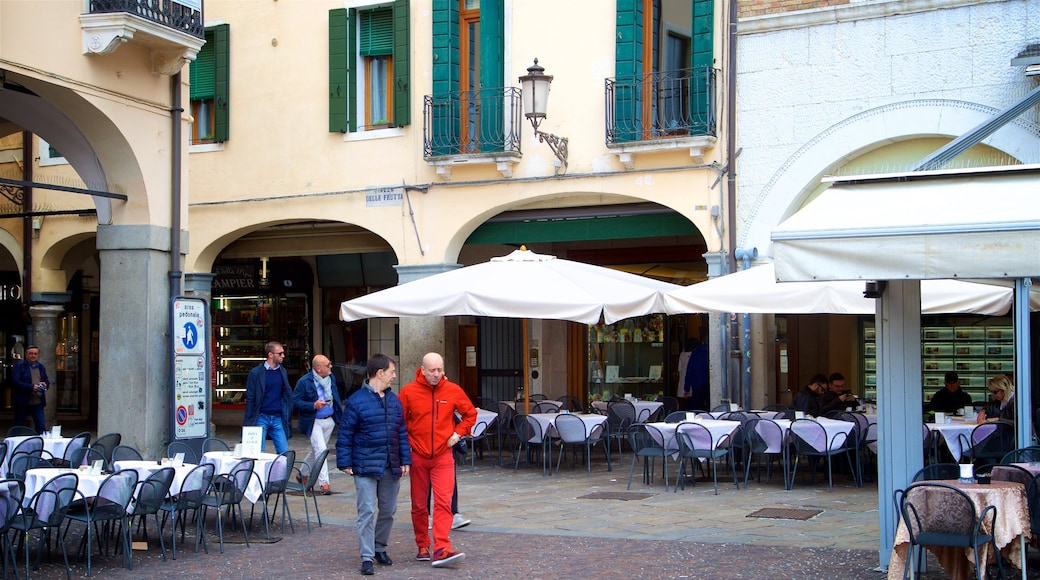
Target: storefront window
{"type": "Point", "coordinates": [627, 358]}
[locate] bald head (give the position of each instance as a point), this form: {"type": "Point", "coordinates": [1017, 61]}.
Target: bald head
{"type": "Point", "coordinates": [433, 368]}
{"type": "Point", "coordinates": [321, 365]}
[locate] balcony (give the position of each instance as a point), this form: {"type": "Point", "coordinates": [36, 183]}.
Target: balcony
{"type": "Point", "coordinates": [472, 127]}
{"type": "Point", "coordinates": [172, 30]}
{"type": "Point", "coordinates": [660, 111]}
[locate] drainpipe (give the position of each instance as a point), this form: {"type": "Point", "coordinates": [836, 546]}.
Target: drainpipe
{"type": "Point", "coordinates": [731, 174]}
{"type": "Point", "coordinates": [175, 230]}
{"type": "Point", "coordinates": [746, 256]}
{"type": "Point", "coordinates": [27, 231]}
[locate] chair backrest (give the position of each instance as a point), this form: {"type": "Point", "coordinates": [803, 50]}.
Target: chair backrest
{"type": "Point", "coordinates": [938, 471]}
{"type": "Point", "coordinates": [763, 436]}
{"type": "Point", "coordinates": [668, 405]}
{"type": "Point", "coordinates": [195, 487]}
{"type": "Point", "coordinates": [642, 440]}
{"type": "Point", "coordinates": [11, 493]}
{"type": "Point", "coordinates": [480, 428]}
{"type": "Point", "coordinates": [485, 403]}
{"type": "Point", "coordinates": [28, 445]}
{"type": "Point", "coordinates": [176, 447]}
{"type": "Point", "coordinates": [79, 441]}
{"type": "Point", "coordinates": [931, 507]}
{"type": "Point", "coordinates": [84, 456]}
{"type": "Point", "coordinates": [20, 431]}
{"type": "Point", "coordinates": [720, 407]}
{"type": "Point", "coordinates": [537, 397]}
{"type": "Point", "coordinates": [312, 477]}
{"type": "Point", "coordinates": [24, 461]}
{"type": "Point", "coordinates": [544, 407]}
{"type": "Point", "coordinates": [992, 440]}
{"type": "Point", "coordinates": [571, 429]}
{"type": "Point", "coordinates": [152, 491]}
{"type": "Point", "coordinates": [278, 472]}
{"type": "Point", "coordinates": [214, 444]}
{"type": "Point", "coordinates": [1012, 473]}
{"type": "Point", "coordinates": [1022, 455]}
{"type": "Point", "coordinates": [785, 414]}
{"type": "Point", "coordinates": [52, 502]}
{"type": "Point", "coordinates": [126, 453]}
{"type": "Point", "coordinates": [675, 417]}
{"type": "Point", "coordinates": [808, 436]}
{"type": "Point", "coordinates": [1033, 500]}
{"type": "Point", "coordinates": [694, 437]}
{"type": "Point", "coordinates": [106, 444]}
{"type": "Point", "coordinates": [505, 413]}
{"type": "Point", "coordinates": [623, 412]}
{"type": "Point", "coordinates": [571, 403]}
{"type": "Point", "coordinates": [527, 429]}
{"type": "Point", "coordinates": [777, 407]}
{"type": "Point", "coordinates": [117, 489]}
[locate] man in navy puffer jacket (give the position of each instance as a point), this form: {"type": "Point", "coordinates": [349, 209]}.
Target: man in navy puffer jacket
{"type": "Point", "coordinates": [373, 447]}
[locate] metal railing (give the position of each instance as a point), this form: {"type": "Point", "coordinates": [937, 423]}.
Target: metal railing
{"type": "Point", "coordinates": [484, 121]}
{"type": "Point", "coordinates": [660, 105]}
{"type": "Point", "coordinates": [169, 13]}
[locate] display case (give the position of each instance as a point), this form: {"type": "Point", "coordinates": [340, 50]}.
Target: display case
{"type": "Point", "coordinates": [627, 357]}
{"type": "Point", "coordinates": [66, 362]}
{"type": "Point", "coordinates": [242, 325]}
{"type": "Point", "coordinates": [975, 352]}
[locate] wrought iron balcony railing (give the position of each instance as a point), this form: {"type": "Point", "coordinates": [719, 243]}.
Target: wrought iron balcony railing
{"type": "Point", "coordinates": [170, 13]}
{"type": "Point", "coordinates": [660, 105]}
{"type": "Point", "coordinates": [485, 121]}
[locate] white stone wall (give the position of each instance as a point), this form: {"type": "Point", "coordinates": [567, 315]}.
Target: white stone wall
{"type": "Point", "coordinates": [828, 85]}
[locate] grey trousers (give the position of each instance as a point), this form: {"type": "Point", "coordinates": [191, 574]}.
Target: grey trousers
{"type": "Point", "coordinates": [372, 494]}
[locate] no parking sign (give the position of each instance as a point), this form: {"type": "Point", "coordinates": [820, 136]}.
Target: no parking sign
{"type": "Point", "coordinates": [190, 399]}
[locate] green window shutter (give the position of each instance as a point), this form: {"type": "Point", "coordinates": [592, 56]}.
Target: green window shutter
{"type": "Point", "coordinates": [492, 75]}
{"type": "Point", "coordinates": [628, 64]}
{"type": "Point", "coordinates": [702, 58]}
{"type": "Point", "coordinates": [338, 55]}
{"type": "Point", "coordinates": [352, 71]}
{"type": "Point", "coordinates": [221, 83]}
{"type": "Point", "coordinates": [445, 116]}
{"type": "Point", "coordinates": [377, 32]}
{"type": "Point", "coordinates": [402, 65]}
{"type": "Point", "coordinates": [201, 71]}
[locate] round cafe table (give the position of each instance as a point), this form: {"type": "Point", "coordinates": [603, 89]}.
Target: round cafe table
{"type": "Point", "coordinates": [224, 461]}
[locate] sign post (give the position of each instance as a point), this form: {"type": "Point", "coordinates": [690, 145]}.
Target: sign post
{"type": "Point", "coordinates": [190, 392]}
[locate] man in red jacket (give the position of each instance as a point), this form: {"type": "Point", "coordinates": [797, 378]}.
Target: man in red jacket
{"type": "Point", "coordinates": [430, 403]}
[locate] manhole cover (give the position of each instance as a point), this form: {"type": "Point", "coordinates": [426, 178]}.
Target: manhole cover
{"type": "Point", "coordinates": [784, 513]}
{"type": "Point", "coordinates": [621, 495]}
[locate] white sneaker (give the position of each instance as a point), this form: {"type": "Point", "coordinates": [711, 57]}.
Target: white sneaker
{"type": "Point", "coordinates": [459, 521]}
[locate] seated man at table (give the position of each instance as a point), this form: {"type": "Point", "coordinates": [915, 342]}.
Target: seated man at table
{"type": "Point", "coordinates": [950, 398]}
{"type": "Point", "coordinates": [806, 399]}
{"type": "Point", "coordinates": [836, 396]}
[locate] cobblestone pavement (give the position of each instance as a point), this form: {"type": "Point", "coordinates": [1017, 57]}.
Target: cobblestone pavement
{"type": "Point", "coordinates": [526, 525]}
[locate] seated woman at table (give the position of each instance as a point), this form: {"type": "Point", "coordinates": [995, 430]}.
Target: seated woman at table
{"type": "Point", "coordinates": [1003, 405]}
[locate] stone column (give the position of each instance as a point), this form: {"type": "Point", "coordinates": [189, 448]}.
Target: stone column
{"type": "Point", "coordinates": [420, 335]}
{"type": "Point", "coordinates": [134, 386]}
{"type": "Point", "coordinates": [45, 329]}
{"type": "Point", "coordinates": [718, 353]}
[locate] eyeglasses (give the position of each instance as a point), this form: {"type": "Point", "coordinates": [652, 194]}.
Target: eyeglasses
{"type": "Point", "coordinates": [281, 352]}
{"type": "Point", "coordinates": [995, 392]}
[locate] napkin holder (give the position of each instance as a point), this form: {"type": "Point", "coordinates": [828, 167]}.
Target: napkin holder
{"type": "Point", "coordinates": [238, 450]}
{"type": "Point", "coordinates": [178, 460]}
{"type": "Point", "coordinates": [940, 418]}
{"type": "Point", "coordinates": [969, 413]}
{"type": "Point", "coordinates": [56, 432]}
{"type": "Point", "coordinates": [799, 414]}
{"type": "Point", "coordinates": [96, 467]}
{"type": "Point", "coordinates": [967, 473]}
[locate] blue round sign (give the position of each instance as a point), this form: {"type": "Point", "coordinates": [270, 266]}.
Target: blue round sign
{"type": "Point", "coordinates": [191, 335]}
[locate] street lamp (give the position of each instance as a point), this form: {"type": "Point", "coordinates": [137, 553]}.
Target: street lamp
{"type": "Point", "coordinates": [535, 88]}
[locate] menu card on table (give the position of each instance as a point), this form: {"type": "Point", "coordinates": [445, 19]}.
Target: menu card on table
{"type": "Point", "coordinates": [252, 441]}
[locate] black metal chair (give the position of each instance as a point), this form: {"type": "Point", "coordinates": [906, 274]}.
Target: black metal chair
{"type": "Point", "coordinates": [529, 432]}
{"type": "Point", "coordinates": [45, 512]}
{"type": "Point", "coordinates": [307, 487]}
{"type": "Point", "coordinates": [109, 505]}
{"type": "Point", "coordinates": [504, 433]}
{"type": "Point", "coordinates": [989, 442]}
{"type": "Point", "coordinates": [278, 472]}
{"type": "Point", "coordinates": [695, 444]}
{"type": "Point", "coordinates": [126, 453]}
{"type": "Point", "coordinates": [85, 456]}
{"type": "Point", "coordinates": [79, 441]}
{"type": "Point", "coordinates": [645, 445]}
{"type": "Point", "coordinates": [937, 514]}
{"type": "Point", "coordinates": [938, 471]}
{"type": "Point", "coordinates": [194, 489]}
{"type": "Point", "coordinates": [226, 493]}
{"type": "Point", "coordinates": [22, 462]}
{"type": "Point", "coordinates": [21, 431]}
{"type": "Point", "coordinates": [151, 493]}
{"type": "Point", "coordinates": [675, 417]}
{"type": "Point", "coordinates": [1022, 455]}
{"type": "Point", "coordinates": [571, 403]}
{"type": "Point", "coordinates": [573, 431]}
{"type": "Point", "coordinates": [765, 437]}
{"type": "Point", "coordinates": [214, 444]}
{"type": "Point", "coordinates": [668, 406]}
{"type": "Point", "coordinates": [107, 444]}
{"type": "Point", "coordinates": [176, 447]}
{"type": "Point", "coordinates": [621, 415]}
{"type": "Point", "coordinates": [805, 435]}
{"type": "Point", "coordinates": [11, 493]}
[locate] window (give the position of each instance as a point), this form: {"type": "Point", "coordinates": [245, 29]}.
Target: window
{"type": "Point", "coordinates": [209, 88]}
{"type": "Point", "coordinates": [368, 67]}
{"type": "Point", "coordinates": [49, 155]}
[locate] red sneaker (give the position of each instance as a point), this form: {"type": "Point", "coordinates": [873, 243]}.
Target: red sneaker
{"type": "Point", "coordinates": [423, 555]}
{"type": "Point", "coordinates": [445, 557]}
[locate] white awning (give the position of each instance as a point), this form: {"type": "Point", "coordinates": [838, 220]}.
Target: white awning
{"type": "Point", "coordinates": [982, 223]}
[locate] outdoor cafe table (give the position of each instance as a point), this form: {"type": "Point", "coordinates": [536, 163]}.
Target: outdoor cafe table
{"type": "Point", "coordinates": [832, 427]}
{"type": "Point", "coordinates": [719, 430]}
{"type": "Point", "coordinates": [485, 419]}
{"type": "Point", "coordinates": [224, 461]}
{"type": "Point", "coordinates": [952, 432]}
{"type": "Point", "coordinates": [548, 421]}
{"type": "Point", "coordinates": [1012, 522]}
{"type": "Point", "coordinates": [145, 469]}
{"type": "Point", "coordinates": [644, 409]}
{"type": "Point", "coordinates": [53, 445]}
{"type": "Point", "coordinates": [88, 485]}
{"type": "Point", "coordinates": [519, 405]}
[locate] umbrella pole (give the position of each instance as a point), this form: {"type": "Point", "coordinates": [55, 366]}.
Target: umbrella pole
{"type": "Point", "coordinates": [527, 371]}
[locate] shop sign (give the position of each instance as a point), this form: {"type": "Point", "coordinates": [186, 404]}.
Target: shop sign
{"type": "Point", "coordinates": [10, 292]}
{"type": "Point", "coordinates": [384, 196]}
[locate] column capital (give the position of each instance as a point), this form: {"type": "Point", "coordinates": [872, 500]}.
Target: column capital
{"type": "Point", "coordinates": [46, 310]}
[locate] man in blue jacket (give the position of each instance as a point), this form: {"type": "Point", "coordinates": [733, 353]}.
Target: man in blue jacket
{"type": "Point", "coordinates": [373, 448]}
{"type": "Point", "coordinates": [29, 378]}
{"type": "Point", "coordinates": [316, 398]}
{"type": "Point", "coordinates": [269, 398]}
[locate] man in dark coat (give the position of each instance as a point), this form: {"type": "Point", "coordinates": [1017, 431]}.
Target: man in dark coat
{"type": "Point", "coordinates": [29, 378]}
{"type": "Point", "coordinates": [373, 448]}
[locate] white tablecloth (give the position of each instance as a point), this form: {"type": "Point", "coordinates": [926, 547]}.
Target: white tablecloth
{"type": "Point", "coordinates": [485, 419]}
{"type": "Point", "coordinates": [643, 408]}
{"type": "Point", "coordinates": [518, 406]}
{"type": "Point", "coordinates": [35, 479]}
{"type": "Point", "coordinates": [719, 431]}
{"type": "Point", "coordinates": [832, 427]}
{"type": "Point", "coordinates": [145, 469]}
{"type": "Point", "coordinates": [951, 433]}
{"type": "Point", "coordinates": [55, 446]}
{"type": "Point", "coordinates": [548, 421]}
{"type": "Point", "coordinates": [223, 462]}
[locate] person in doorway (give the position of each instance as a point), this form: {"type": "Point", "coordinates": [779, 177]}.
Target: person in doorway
{"type": "Point", "coordinates": [1002, 408]}
{"type": "Point", "coordinates": [373, 447]}
{"type": "Point", "coordinates": [807, 400]}
{"type": "Point", "coordinates": [950, 398]}
{"type": "Point", "coordinates": [695, 379]}
{"type": "Point", "coordinates": [30, 381]}
{"type": "Point", "coordinates": [269, 398]}
{"type": "Point", "coordinates": [430, 403]}
{"type": "Point", "coordinates": [316, 398]}
{"type": "Point", "coordinates": [837, 396]}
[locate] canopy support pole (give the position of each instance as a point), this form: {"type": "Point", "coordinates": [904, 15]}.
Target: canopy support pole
{"type": "Point", "coordinates": [1023, 385]}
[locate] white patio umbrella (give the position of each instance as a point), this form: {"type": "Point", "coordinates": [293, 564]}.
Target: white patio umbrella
{"type": "Point", "coordinates": [756, 291]}
{"type": "Point", "coordinates": [524, 285]}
